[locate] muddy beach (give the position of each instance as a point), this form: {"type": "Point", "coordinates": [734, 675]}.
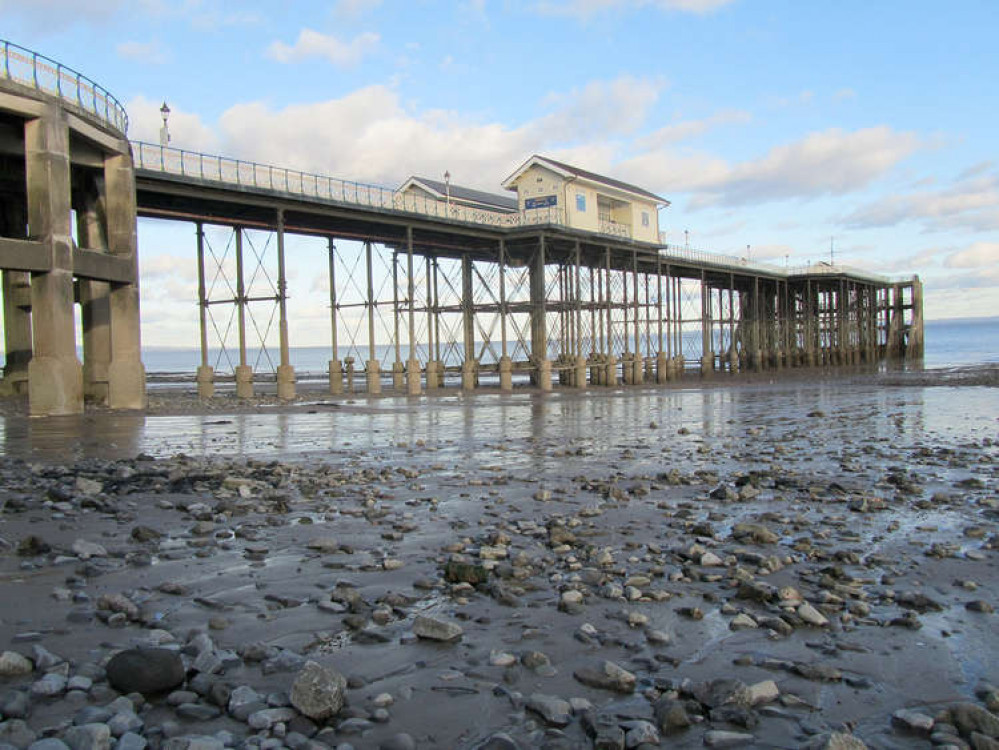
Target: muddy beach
{"type": "Point", "coordinates": [800, 563]}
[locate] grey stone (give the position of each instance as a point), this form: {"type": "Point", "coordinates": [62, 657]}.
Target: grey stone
{"type": "Point", "coordinates": [606, 675]}
{"type": "Point", "coordinates": [198, 711]}
{"type": "Point", "coordinates": [123, 722]}
{"type": "Point", "coordinates": [131, 741]}
{"type": "Point", "coordinates": [640, 733]}
{"type": "Point", "coordinates": [553, 710]}
{"type": "Point", "coordinates": [970, 717]}
{"type": "Point", "coordinates": [17, 733]}
{"type": "Point", "coordinates": [436, 629]}
{"type": "Point", "coordinates": [721, 738]}
{"type": "Point", "coordinates": [145, 670]}
{"type": "Point", "coordinates": [48, 743]}
{"type": "Point", "coordinates": [15, 704]}
{"type": "Point", "coordinates": [50, 685]}
{"type": "Point", "coordinates": [834, 741]}
{"type": "Point", "coordinates": [89, 737]}
{"type": "Point", "coordinates": [498, 741]}
{"type": "Point", "coordinates": [912, 721]}
{"type": "Point", "coordinates": [671, 715]}
{"type": "Point", "coordinates": [318, 692]}
{"type": "Point", "coordinates": [268, 717]}
{"type": "Point", "coordinates": [13, 664]}
{"type": "Point", "coordinates": [722, 692]}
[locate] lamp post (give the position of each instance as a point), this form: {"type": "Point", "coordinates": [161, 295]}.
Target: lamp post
{"type": "Point", "coordinates": [447, 190]}
{"type": "Point", "coordinates": [164, 131]}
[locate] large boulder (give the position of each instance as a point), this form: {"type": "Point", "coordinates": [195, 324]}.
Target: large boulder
{"type": "Point", "coordinates": [145, 670]}
{"type": "Point", "coordinates": [318, 692]}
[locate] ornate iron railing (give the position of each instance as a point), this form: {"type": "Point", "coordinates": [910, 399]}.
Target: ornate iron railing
{"type": "Point", "coordinates": [44, 74]}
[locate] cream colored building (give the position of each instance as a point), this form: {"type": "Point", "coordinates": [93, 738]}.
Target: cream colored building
{"type": "Point", "coordinates": [549, 190]}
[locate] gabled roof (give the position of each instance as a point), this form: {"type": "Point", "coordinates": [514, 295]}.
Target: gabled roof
{"type": "Point", "coordinates": [459, 194]}
{"type": "Point", "coordinates": [567, 170]}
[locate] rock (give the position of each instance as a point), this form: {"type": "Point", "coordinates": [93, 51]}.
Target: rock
{"type": "Point", "coordinates": [17, 733]}
{"type": "Point", "coordinates": [571, 601]}
{"type": "Point", "coordinates": [89, 737]}
{"type": "Point", "coordinates": [812, 616]}
{"type": "Point", "coordinates": [50, 685]}
{"type": "Point", "coordinates": [498, 741]}
{"type": "Point", "coordinates": [755, 532]}
{"type": "Point", "coordinates": [720, 738]}
{"type": "Point", "coordinates": [33, 546]}
{"type": "Point", "coordinates": [555, 711]}
{"type": "Point", "coordinates": [48, 743]}
{"type": "Point", "coordinates": [131, 741]}
{"type": "Point", "coordinates": [85, 550]}
{"type": "Point", "coordinates": [981, 606]}
{"type": "Point", "coordinates": [834, 741]}
{"type": "Point", "coordinates": [671, 715]}
{"type": "Point", "coordinates": [460, 572]}
{"type": "Point", "coordinates": [268, 717]}
{"type": "Point", "coordinates": [145, 534]}
{"type": "Point", "coordinates": [742, 621]}
{"type": "Point", "coordinates": [711, 560]}
{"type": "Point", "coordinates": [606, 675]}
{"type": "Point", "coordinates": [89, 487]}
{"type": "Point", "coordinates": [145, 670]}
{"type": "Point", "coordinates": [970, 717]}
{"type": "Point", "coordinates": [818, 672]}
{"type": "Point", "coordinates": [318, 692]}
{"type": "Point", "coordinates": [723, 692]}
{"type": "Point", "coordinates": [763, 692]}
{"type": "Point", "coordinates": [13, 664]}
{"type": "Point", "coordinates": [118, 603]}
{"type": "Point", "coordinates": [436, 629]}
{"type": "Point", "coordinates": [640, 733]}
{"type": "Point", "coordinates": [912, 721]}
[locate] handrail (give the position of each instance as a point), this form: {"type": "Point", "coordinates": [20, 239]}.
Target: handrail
{"type": "Point", "coordinates": [250, 174]}
{"type": "Point", "coordinates": [51, 77]}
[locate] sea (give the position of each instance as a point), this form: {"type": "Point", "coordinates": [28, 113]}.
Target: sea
{"type": "Point", "coordinates": [949, 343]}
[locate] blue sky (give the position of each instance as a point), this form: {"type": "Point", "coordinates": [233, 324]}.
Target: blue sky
{"type": "Point", "coordinates": [778, 125]}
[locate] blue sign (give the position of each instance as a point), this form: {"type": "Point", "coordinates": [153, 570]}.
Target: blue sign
{"type": "Point", "coordinates": [543, 202]}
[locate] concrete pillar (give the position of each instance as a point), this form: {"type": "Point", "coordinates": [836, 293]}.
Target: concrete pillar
{"type": "Point", "coordinates": [16, 331]}
{"type": "Point", "coordinates": [55, 375]}
{"type": "Point", "coordinates": [244, 381]}
{"type": "Point", "coordinates": [205, 378]}
{"type": "Point", "coordinates": [579, 372]}
{"type": "Point", "coordinates": [539, 330]}
{"type": "Point", "coordinates": [663, 374]}
{"type": "Point", "coordinates": [126, 375]}
{"type": "Point", "coordinates": [398, 375]}
{"type": "Point", "coordinates": [432, 379]}
{"type": "Point", "coordinates": [336, 376]}
{"type": "Point", "coordinates": [244, 373]}
{"type": "Point", "coordinates": [506, 374]}
{"type": "Point", "coordinates": [469, 374]}
{"type": "Point", "coordinates": [349, 370]}
{"type": "Point", "coordinates": [285, 372]}
{"type": "Point", "coordinates": [413, 376]}
{"type": "Point", "coordinates": [610, 371]}
{"type": "Point", "coordinates": [94, 298]}
{"type": "Point", "coordinates": [544, 375]}
{"type": "Point", "coordinates": [733, 360]}
{"type": "Point", "coordinates": [596, 369]}
{"type": "Point", "coordinates": [373, 375]}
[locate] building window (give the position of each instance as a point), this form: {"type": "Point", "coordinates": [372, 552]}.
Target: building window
{"type": "Point", "coordinates": [645, 218]}
{"type": "Point", "coordinates": [581, 202]}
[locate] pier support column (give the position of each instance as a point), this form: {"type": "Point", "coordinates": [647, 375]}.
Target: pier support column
{"type": "Point", "coordinates": [285, 372]}
{"type": "Point", "coordinates": [16, 331]}
{"type": "Point", "coordinates": [205, 378]}
{"type": "Point", "coordinates": [579, 371]}
{"type": "Point", "coordinates": [55, 375]}
{"type": "Point", "coordinates": [544, 375]}
{"type": "Point", "coordinates": [610, 371]}
{"type": "Point", "coordinates": [506, 374]}
{"type": "Point", "coordinates": [662, 368]}
{"type": "Point", "coordinates": [469, 374]}
{"type": "Point", "coordinates": [206, 374]}
{"type": "Point", "coordinates": [373, 377]}
{"type": "Point", "coordinates": [244, 373]}
{"type": "Point", "coordinates": [398, 375]}
{"type": "Point", "coordinates": [336, 376]}
{"type": "Point", "coordinates": [539, 329]}
{"type": "Point", "coordinates": [413, 364]}
{"type": "Point", "coordinates": [348, 366]}
{"type": "Point", "coordinates": [94, 297]}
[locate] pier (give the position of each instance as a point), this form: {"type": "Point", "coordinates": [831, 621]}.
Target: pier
{"type": "Point", "coordinates": [423, 292]}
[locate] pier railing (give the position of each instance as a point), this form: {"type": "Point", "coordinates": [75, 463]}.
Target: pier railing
{"type": "Point", "coordinates": [28, 68]}
{"type": "Point", "coordinates": [249, 174]}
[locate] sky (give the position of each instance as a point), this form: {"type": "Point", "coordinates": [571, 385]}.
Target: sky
{"type": "Point", "coordinates": [787, 131]}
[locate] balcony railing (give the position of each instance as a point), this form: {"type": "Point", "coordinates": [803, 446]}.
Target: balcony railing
{"type": "Point", "coordinates": [46, 75]}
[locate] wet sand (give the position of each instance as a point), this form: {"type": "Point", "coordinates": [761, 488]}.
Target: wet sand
{"type": "Point", "coordinates": [828, 534]}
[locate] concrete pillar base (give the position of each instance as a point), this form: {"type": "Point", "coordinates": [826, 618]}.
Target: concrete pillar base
{"type": "Point", "coordinates": [206, 381]}
{"type": "Point", "coordinates": [810, 359]}
{"type": "Point", "coordinates": [126, 385]}
{"type": "Point", "coordinates": [398, 375]}
{"type": "Point", "coordinates": [286, 382]}
{"type": "Point", "coordinates": [707, 364]}
{"type": "Point", "coordinates": [596, 369]}
{"type": "Point", "coordinates": [413, 377]}
{"type": "Point", "coordinates": [545, 375]}
{"type": "Point", "coordinates": [662, 369]}
{"type": "Point", "coordinates": [627, 368]}
{"type": "Point", "coordinates": [431, 371]}
{"type": "Point", "coordinates": [336, 376]}
{"type": "Point", "coordinates": [733, 362]}
{"type": "Point", "coordinates": [95, 382]}
{"type": "Point", "coordinates": [469, 374]}
{"type": "Point", "coordinates": [55, 386]}
{"type": "Point", "coordinates": [373, 377]}
{"type": "Point", "coordinates": [244, 381]}
{"type": "Point", "coordinates": [348, 368]}
{"type": "Point", "coordinates": [506, 374]}
{"type": "Point", "coordinates": [579, 371]}
{"type": "Point", "coordinates": [610, 371]}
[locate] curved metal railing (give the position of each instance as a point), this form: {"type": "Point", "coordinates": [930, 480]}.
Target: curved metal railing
{"type": "Point", "coordinates": [44, 74]}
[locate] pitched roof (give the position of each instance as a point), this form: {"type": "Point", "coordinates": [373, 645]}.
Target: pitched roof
{"type": "Point", "coordinates": [462, 194]}
{"type": "Point", "coordinates": [568, 169]}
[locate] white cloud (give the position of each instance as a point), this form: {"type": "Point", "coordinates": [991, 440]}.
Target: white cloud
{"type": "Point", "coordinates": [971, 203]}
{"type": "Point", "coordinates": [984, 255]}
{"type": "Point", "coordinates": [687, 129]}
{"type": "Point", "coordinates": [585, 9]}
{"type": "Point", "coordinates": [150, 53]}
{"type": "Point", "coordinates": [351, 9]}
{"type": "Point", "coordinates": [187, 131]}
{"type": "Point", "coordinates": [311, 43]}
{"type": "Point", "coordinates": [619, 106]}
